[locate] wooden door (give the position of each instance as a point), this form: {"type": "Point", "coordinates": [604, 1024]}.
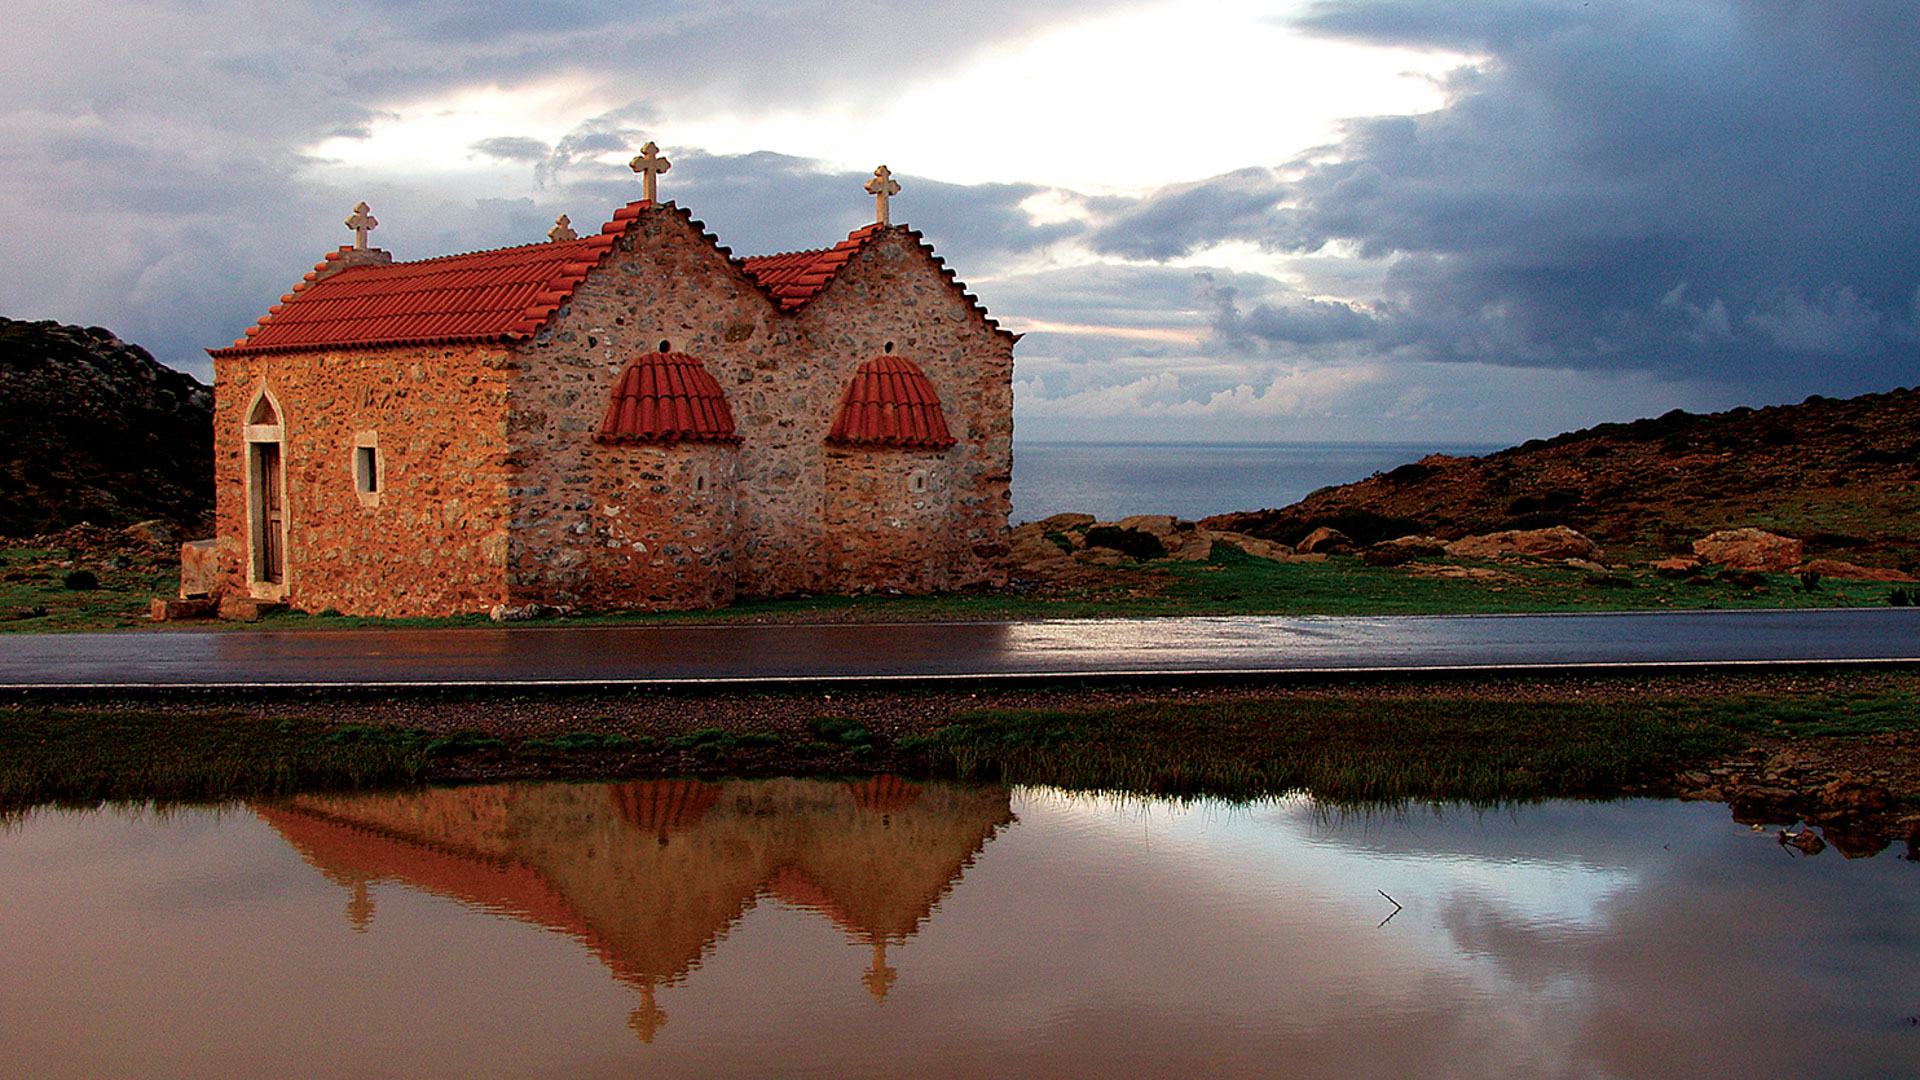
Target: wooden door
{"type": "Point", "coordinates": [269, 558]}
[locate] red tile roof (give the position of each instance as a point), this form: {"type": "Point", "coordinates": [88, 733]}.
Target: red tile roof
{"type": "Point", "coordinates": [509, 294]}
{"type": "Point", "coordinates": [666, 397]}
{"type": "Point", "coordinates": [891, 403]}
{"type": "Point", "coordinates": [503, 295]}
{"type": "Point", "coordinates": [796, 277]}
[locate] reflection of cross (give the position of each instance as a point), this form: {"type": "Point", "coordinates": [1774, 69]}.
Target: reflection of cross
{"type": "Point", "coordinates": [562, 230]}
{"type": "Point", "coordinates": [647, 1020]}
{"type": "Point", "coordinates": [879, 978]}
{"type": "Point", "coordinates": [649, 165]}
{"type": "Point", "coordinates": [360, 906]}
{"type": "Point", "coordinates": [361, 223]}
{"type": "Point", "coordinates": [882, 187]}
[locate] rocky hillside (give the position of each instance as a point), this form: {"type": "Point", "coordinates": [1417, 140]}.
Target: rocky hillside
{"type": "Point", "coordinates": [93, 429]}
{"type": "Point", "coordinates": [1844, 476]}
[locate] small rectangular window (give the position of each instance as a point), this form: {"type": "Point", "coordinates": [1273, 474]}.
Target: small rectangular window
{"type": "Point", "coordinates": [366, 469]}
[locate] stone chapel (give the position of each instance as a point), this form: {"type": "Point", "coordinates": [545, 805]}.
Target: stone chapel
{"type": "Point", "coordinates": [634, 419]}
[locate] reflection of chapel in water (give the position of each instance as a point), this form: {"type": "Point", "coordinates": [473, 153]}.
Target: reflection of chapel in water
{"type": "Point", "coordinates": [651, 874]}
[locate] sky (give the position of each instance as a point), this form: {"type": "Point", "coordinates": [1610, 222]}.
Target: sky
{"type": "Point", "coordinates": [1214, 220]}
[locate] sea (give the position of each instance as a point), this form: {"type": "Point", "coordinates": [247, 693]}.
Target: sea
{"type": "Point", "coordinates": [1112, 480]}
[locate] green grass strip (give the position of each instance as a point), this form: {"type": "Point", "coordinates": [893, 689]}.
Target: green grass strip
{"type": "Point", "coordinates": [71, 757]}
{"type": "Point", "coordinates": [1360, 751]}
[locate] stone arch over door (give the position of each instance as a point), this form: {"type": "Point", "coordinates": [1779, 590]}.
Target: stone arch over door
{"type": "Point", "coordinates": [264, 437]}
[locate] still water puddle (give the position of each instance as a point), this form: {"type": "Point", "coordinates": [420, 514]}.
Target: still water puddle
{"type": "Point", "coordinates": [884, 928]}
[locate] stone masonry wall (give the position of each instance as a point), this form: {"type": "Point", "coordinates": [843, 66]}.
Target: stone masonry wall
{"type": "Point", "coordinates": [433, 541]}
{"type": "Point", "coordinates": [784, 375]}
{"type": "Point", "coordinates": [891, 292]}
{"type": "Point", "coordinates": [671, 285]}
{"type": "Point", "coordinates": [663, 526]}
{"type": "Point", "coordinates": [881, 533]}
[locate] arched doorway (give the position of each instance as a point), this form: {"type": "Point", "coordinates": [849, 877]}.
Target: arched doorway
{"type": "Point", "coordinates": [266, 499]}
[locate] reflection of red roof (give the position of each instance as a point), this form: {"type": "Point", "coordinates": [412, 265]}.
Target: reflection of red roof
{"type": "Point", "coordinates": [890, 403]}
{"type": "Point", "coordinates": [655, 806]}
{"type": "Point", "coordinates": [497, 884]}
{"type": "Point", "coordinates": [795, 277]}
{"type": "Point", "coordinates": [883, 793]}
{"type": "Point", "coordinates": [666, 397]}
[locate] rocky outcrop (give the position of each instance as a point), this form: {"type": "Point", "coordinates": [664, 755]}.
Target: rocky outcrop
{"type": "Point", "coordinates": [1749, 549]}
{"type": "Point", "coordinates": [1840, 474]}
{"type": "Point", "coordinates": [1059, 543]}
{"type": "Point", "coordinates": [96, 430]}
{"type": "Point", "coordinates": [1558, 542]}
{"type": "Point", "coordinates": [1325, 541]}
{"type": "Point", "coordinates": [1834, 568]}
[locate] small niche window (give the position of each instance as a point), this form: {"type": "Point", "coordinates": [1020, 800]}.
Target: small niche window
{"type": "Point", "coordinates": [917, 482]}
{"type": "Point", "coordinates": [367, 480]}
{"type": "Point", "coordinates": [700, 482]}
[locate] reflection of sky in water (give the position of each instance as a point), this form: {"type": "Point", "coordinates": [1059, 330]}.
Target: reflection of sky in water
{"type": "Point", "coordinates": [840, 930]}
{"type": "Point", "coordinates": [1495, 856]}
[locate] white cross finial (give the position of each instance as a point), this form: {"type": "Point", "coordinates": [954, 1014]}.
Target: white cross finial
{"type": "Point", "coordinates": [650, 165]}
{"type": "Point", "coordinates": [361, 223]}
{"type": "Point", "coordinates": [882, 187]}
{"type": "Point", "coordinates": [562, 230]}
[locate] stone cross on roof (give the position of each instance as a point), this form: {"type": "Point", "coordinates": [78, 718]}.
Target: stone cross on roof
{"type": "Point", "coordinates": [361, 223]}
{"type": "Point", "coordinates": [562, 230]}
{"type": "Point", "coordinates": [649, 165]}
{"type": "Point", "coordinates": [882, 187]}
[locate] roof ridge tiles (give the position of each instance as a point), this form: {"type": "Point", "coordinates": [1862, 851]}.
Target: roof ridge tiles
{"type": "Point", "coordinates": [509, 293]}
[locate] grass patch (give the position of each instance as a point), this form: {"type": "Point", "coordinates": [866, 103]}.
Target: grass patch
{"type": "Point", "coordinates": [1343, 752]}
{"type": "Point", "coordinates": [34, 595]}
{"type": "Point", "coordinates": [1845, 715]}
{"type": "Point", "coordinates": [53, 589]}
{"type": "Point", "coordinates": [575, 742]}
{"type": "Point", "coordinates": [1232, 582]}
{"type": "Point", "coordinates": [71, 757]}
{"type": "Point", "coordinates": [1350, 751]}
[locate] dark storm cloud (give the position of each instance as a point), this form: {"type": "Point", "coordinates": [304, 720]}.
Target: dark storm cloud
{"type": "Point", "coordinates": [1185, 217]}
{"type": "Point", "coordinates": [165, 139]}
{"type": "Point", "coordinates": [765, 202]}
{"type": "Point", "coordinates": [1718, 189]}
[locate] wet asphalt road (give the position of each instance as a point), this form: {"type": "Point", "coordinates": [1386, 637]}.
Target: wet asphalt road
{"type": "Point", "coordinates": [1249, 645]}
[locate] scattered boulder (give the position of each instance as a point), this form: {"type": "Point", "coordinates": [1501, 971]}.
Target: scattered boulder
{"type": "Point", "coordinates": [168, 609]}
{"type": "Point", "coordinates": [246, 608]}
{"type": "Point", "coordinates": [153, 532]}
{"type": "Point", "coordinates": [1059, 523]}
{"type": "Point", "coordinates": [1806, 840]}
{"type": "Point", "coordinates": [1679, 566]}
{"type": "Point", "coordinates": [1256, 547]}
{"type": "Point", "coordinates": [1417, 544]}
{"type": "Point", "coordinates": [1183, 540]}
{"type": "Point", "coordinates": [505, 613]}
{"type": "Point", "coordinates": [1557, 542]}
{"type": "Point", "coordinates": [1749, 549]}
{"type": "Point", "coordinates": [1387, 555]}
{"type": "Point", "coordinates": [1834, 568]}
{"type": "Point", "coordinates": [199, 568]}
{"type": "Point", "coordinates": [1850, 795]}
{"type": "Point", "coordinates": [1131, 542]}
{"type": "Point", "coordinates": [1325, 541]}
